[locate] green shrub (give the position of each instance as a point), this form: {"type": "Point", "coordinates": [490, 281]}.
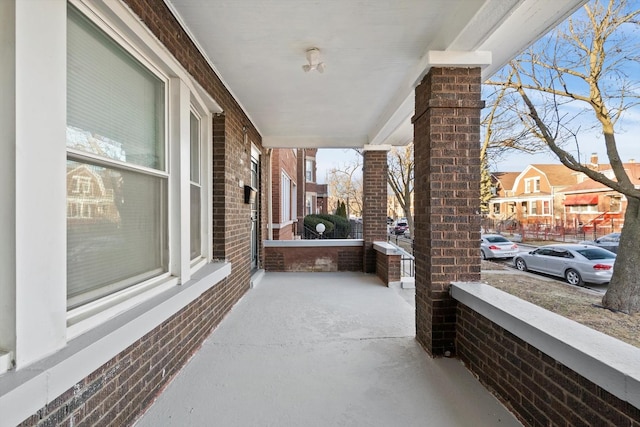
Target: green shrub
{"type": "Point", "coordinates": [336, 227]}
{"type": "Point", "coordinates": [310, 222]}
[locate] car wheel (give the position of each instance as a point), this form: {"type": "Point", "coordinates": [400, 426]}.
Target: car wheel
{"type": "Point", "coordinates": [573, 277]}
{"type": "Point", "coordinates": [482, 255]}
{"type": "Point", "coordinates": [520, 264]}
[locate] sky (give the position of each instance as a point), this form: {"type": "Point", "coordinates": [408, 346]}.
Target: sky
{"type": "Point", "coordinates": [627, 129]}
{"type": "Point", "coordinates": [628, 142]}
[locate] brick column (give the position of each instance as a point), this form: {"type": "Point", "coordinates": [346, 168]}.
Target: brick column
{"type": "Point", "coordinates": [374, 202]}
{"type": "Point", "coordinates": [447, 198]}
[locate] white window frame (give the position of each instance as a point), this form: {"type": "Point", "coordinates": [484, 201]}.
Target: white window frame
{"type": "Point", "coordinates": [38, 323]}
{"type": "Point", "coordinates": [309, 170]}
{"type": "Point", "coordinates": [285, 198]}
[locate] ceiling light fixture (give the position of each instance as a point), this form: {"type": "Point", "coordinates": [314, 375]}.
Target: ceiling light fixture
{"type": "Point", "coordinates": [313, 57]}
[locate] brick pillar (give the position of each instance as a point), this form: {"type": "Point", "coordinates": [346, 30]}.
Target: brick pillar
{"type": "Point", "coordinates": [447, 198]}
{"type": "Point", "coordinates": [374, 201]}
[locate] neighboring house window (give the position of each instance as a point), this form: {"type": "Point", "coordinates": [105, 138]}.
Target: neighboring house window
{"type": "Point", "coordinates": [534, 208]}
{"type": "Point", "coordinates": [196, 188]}
{"type": "Point", "coordinates": [285, 191]}
{"type": "Point", "coordinates": [496, 208]}
{"type": "Point", "coordinates": [545, 208]}
{"type": "Point", "coordinates": [309, 206]}
{"type": "Point", "coordinates": [532, 185]}
{"type": "Point", "coordinates": [309, 170]}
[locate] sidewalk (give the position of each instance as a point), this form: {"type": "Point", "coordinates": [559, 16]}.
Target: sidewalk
{"type": "Point", "coordinates": [322, 349]}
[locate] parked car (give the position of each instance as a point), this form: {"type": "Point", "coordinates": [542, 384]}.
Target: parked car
{"type": "Point", "coordinates": [609, 242]}
{"type": "Point", "coordinates": [497, 246]}
{"type": "Point", "coordinates": [577, 263]}
{"type": "Point", "coordinates": [401, 227]}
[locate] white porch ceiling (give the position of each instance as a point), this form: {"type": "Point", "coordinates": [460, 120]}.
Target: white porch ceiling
{"type": "Point", "coordinates": [375, 52]}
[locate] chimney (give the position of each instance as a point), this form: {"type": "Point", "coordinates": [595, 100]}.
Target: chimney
{"type": "Point", "coordinates": [594, 158]}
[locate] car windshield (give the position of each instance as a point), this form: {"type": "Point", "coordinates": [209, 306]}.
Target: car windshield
{"type": "Point", "coordinates": [596, 253]}
{"type": "Point", "coordinates": [496, 239]}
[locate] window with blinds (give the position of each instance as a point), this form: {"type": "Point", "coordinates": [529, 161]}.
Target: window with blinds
{"type": "Point", "coordinates": [116, 166]}
{"type": "Point", "coordinates": [196, 189]}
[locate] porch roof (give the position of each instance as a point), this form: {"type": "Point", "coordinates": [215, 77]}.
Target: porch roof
{"type": "Point", "coordinates": [375, 54]}
{"type": "Point", "coordinates": [320, 349]}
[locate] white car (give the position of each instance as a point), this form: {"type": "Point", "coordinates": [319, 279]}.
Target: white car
{"type": "Point", "coordinates": [497, 246]}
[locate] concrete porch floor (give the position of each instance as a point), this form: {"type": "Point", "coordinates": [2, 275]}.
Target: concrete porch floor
{"type": "Point", "coordinates": [322, 349]}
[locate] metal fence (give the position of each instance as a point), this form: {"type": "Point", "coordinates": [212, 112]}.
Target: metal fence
{"type": "Point", "coordinates": [355, 232]}
{"type": "Point", "coordinates": [546, 232]}
{"type": "Point", "coordinates": [407, 261]}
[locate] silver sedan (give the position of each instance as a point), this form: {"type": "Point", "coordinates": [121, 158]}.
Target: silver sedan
{"type": "Point", "coordinates": [496, 246]}
{"type": "Point", "coordinates": [577, 263]}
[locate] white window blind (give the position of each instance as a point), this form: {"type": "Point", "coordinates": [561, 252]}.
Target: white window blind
{"type": "Point", "coordinates": [117, 223]}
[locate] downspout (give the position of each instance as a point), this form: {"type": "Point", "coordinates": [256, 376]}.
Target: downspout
{"type": "Point", "coordinates": [269, 196]}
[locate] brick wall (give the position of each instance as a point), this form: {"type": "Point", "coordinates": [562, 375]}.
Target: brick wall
{"type": "Point", "coordinates": [119, 392]}
{"type": "Point", "coordinates": [388, 267]}
{"type": "Point", "coordinates": [324, 258]}
{"type": "Point", "coordinates": [374, 204]}
{"type": "Point", "coordinates": [537, 388]}
{"type": "Point", "coordinates": [284, 233]}
{"type": "Point", "coordinates": [447, 198]}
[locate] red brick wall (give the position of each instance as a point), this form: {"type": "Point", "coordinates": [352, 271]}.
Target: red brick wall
{"type": "Point", "coordinates": [284, 233]}
{"type": "Point", "coordinates": [295, 258]}
{"type": "Point", "coordinates": [118, 392]}
{"type": "Point", "coordinates": [283, 159]}
{"type": "Point", "coordinates": [447, 198]}
{"type": "Point", "coordinates": [374, 201]}
{"type": "Point", "coordinates": [388, 267]}
{"type": "Point", "coordinates": [538, 389]}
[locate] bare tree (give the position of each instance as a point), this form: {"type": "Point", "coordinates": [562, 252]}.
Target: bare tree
{"type": "Point", "coordinates": [582, 71]}
{"type": "Point", "coordinates": [345, 184]}
{"type": "Point", "coordinates": [401, 178]}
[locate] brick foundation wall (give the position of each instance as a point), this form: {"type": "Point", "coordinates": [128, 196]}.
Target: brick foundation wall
{"type": "Point", "coordinates": [388, 267]}
{"type": "Point", "coordinates": [447, 198]}
{"type": "Point", "coordinates": [325, 258]}
{"type": "Point", "coordinates": [537, 388]}
{"type": "Point", "coordinates": [117, 393]}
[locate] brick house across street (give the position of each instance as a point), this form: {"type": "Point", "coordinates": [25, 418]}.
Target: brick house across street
{"type": "Point", "coordinates": [552, 196]}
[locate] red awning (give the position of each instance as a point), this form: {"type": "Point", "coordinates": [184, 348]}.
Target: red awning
{"type": "Point", "coordinates": [581, 199]}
